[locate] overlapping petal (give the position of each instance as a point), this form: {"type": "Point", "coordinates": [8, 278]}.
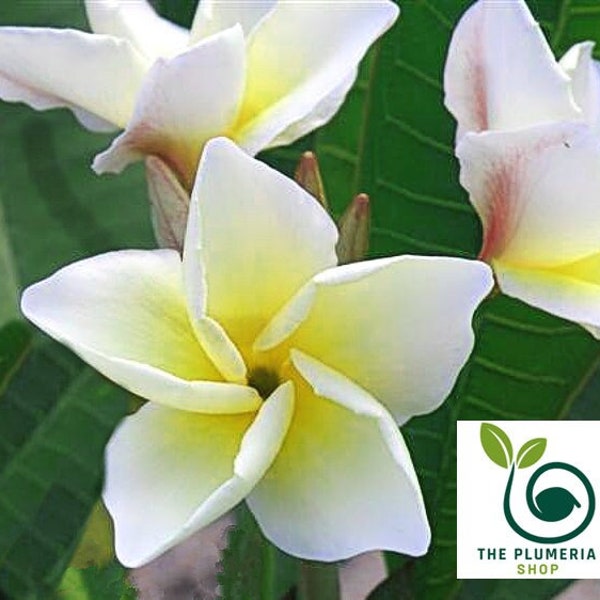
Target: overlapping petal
{"type": "Point", "coordinates": [137, 22]}
{"type": "Point", "coordinates": [254, 236]}
{"type": "Point", "coordinates": [379, 323]}
{"type": "Point", "coordinates": [317, 51]}
{"type": "Point", "coordinates": [213, 16]}
{"type": "Point", "coordinates": [195, 469]}
{"type": "Point", "coordinates": [174, 125]}
{"type": "Point", "coordinates": [584, 72]}
{"type": "Point", "coordinates": [343, 482]}
{"type": "Point", "coordinates": [262, 73]}
{"type": "Point", "coordinates": [536, 191]}
{"type": "Point", "coordinates": [320, 114]}
{"type": "Point", "coordinates": [125, 314]}
{"type": "Point", "coordinates": [570, 291]}
{"type": "Point", "coordinates": [500, 73]}
{"type": "Point", "coordinates": [95, 75]}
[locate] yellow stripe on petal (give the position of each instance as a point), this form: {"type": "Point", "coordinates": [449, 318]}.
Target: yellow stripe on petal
{"type": "Point", "coordinates": [254, 239]}
{"type": "Point", "coordinates": [571, 291]}
{"type": "Point", "coordinates": [342, 484]}
{"type": "Point", "coordinates": [170, 472]}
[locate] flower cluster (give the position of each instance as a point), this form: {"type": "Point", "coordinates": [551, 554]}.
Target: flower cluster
{"type": "Point", "coordinates": [269, 373]}
{"type": "Point", "coordinates": [528, 141]}
{"type": "Point", "coordinates": [272, 374]}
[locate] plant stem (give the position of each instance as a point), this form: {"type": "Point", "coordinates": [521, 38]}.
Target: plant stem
{"type": "Point", "coordinates": [318, 581]}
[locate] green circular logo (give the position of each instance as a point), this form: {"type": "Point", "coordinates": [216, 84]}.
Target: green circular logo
{"type": "Point", "coordinates": [551, 504]}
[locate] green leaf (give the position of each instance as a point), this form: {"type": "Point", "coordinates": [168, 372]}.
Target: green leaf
{"type": "Point", "coordinates": [55, 414]}
{"type": "Point", "coordinates": [531, 452]}
{"type": "Point", "coordinates": [399, 586]}
{"type": "Point", "coordinates": [55, 420]}
{"type": "Point", "coordinates": [318, 581]}
{"type": "Point", "coordinates": [496, 444]}
{"type": "Point", "coordinates": [94, 583]}
{"type": "Point", "coordinates": [9, 288]}
{"type": "Point", "coordinates": [252, 568]}
{"type": "Point", "coordinates": [15, 343]}
{"type": "Point", "coordinates": [96, 545]}
{"type": "Point", "coordinates": [180, 12]}
{"type": "Point", "coordinates": [507, 589]}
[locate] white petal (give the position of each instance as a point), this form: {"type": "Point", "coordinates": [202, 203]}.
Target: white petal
{"type": "Point", "coordinates": [320, 115]}
{"type": "Point", "coordinates": [125, 314]}
{"type": "Point", "coordinates": [136, 21]}
{"type": "Point", "coordinates": [49, 68]}
{"type": "Point", "coordinates": [584, 72]}
{"type": "Point", "coordinates": [91, 121]}
{"type": "Point", "coordinates": [169, 472]}
{"type": "Point", "coordinates": [170, 204]}
{"type": "Point", "coordinates": [213, 16]}
{"type": "Point", "coordinates": [500, 73]}
{"type": "Point", "coordinates": [570, 291]}
{"type": "Point", "coordinates": [536, 192]}
{"type": "Point", "coordinates": [255, 236]}
{"type": "Point", "coordinates": [398, 327]}
{"type": "Point", "coordinates": [343, 482]}
{"type": "Point", "coordinates": [297, 56]}
{"type": "Point", "coordinates": [184, 101]}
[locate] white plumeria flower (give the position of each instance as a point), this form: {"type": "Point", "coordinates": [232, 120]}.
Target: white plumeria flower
{"type": "Point", "coordinates": [528, 141]}
{"type": "Point", "coordinates": [261, 73]}
{"type": "Point", "coordinates": [272, 375]}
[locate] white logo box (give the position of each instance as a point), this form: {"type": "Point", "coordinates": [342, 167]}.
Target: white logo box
{"type": "Point", "coordinates": [487, 546]}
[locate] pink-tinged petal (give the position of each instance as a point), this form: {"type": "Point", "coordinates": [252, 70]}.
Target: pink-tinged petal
{"type": "Point", "coordinates": [343, 482]}
{"type": "Point", "coordinates": [584, 72]}
{"type": "Point", "coordinates": [536, 192]}
{"type": "Point", "coordinates": [170, 472]}
{"type": "Point", "coordinates": [95, 75]}
{"type": "Point", "coordinates": [254, 238]}
{"type": "Point", "coordinates": [298, 55]}
{"type": "Point", "coordinates": [136, 21]}
{"type": "Point", "coordinates": [170, 204]}
{"type": "Point", "coordinates": [183, 102]}
{"type": "Point", "coordinates": [213, 16]}
{"type": "Point", "coordinates": [570, 291]}
{"type": "Point", "coordinates": [500, 72]}
{"type": "Point", "coordinates": [398, 327]}
{"type": "Point", "coordinates": [125, 314]}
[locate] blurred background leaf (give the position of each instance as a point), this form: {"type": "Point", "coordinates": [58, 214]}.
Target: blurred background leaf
{"type": "Point", "coordinates": [95, 583]}
{"type": "Point", "coordinates": [55, 414]}
{"type": "Point", "coordinates": [252, 568]}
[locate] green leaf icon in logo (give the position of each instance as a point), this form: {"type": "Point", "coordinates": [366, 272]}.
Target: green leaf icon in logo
{"type": "Point", "coordinates": [554, 504]}
{"type": "Point", "coordinates": [531, 452]}
{"type": "Point", "coordinates": [497, 445]}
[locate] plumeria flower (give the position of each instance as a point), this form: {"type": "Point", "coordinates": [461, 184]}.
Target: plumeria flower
{"type": "Point", "coordinates": [271, 374]}
{"type": "Point", "coordinates": [262, 73]}
{"type": "Point", "coordinates": [528, 141]}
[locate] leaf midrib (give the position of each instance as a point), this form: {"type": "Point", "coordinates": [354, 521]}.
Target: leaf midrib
{"type": "Point", "coordinates": [9, 283]}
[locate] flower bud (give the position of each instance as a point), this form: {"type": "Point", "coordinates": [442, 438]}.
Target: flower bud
{"type": "Point", "coordinates": [354, 226]}
{"type": "Point", "coordinates": [169, 203]}
{"type": "Point", "coordinates": [308, 175]}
